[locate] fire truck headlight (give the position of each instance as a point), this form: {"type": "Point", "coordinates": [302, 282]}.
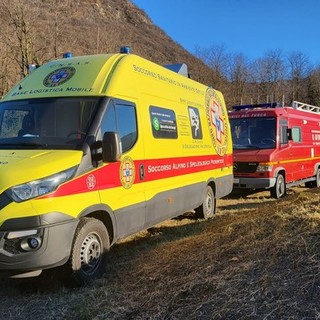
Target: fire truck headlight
{"type": "Point", "coordinates": [263, 167]}
{"type": "Point", "coordinates": [39, 187]}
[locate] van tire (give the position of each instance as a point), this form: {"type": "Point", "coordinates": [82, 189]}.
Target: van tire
{"type": "Point", "coordinates": [88, 258]}
{"type": "Point", "coordinates": [208, 207]}
{"type": "Point", "coordinates": [279, 189]}
{"type": "Point", "coordinates": [315, 183]}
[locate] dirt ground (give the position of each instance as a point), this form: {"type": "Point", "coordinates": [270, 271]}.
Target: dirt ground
{"type": "Point", "coordinates": [258, 258]}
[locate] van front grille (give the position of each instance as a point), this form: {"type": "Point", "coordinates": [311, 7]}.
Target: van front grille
{"type": "Point", "coordinates": [245, 167]}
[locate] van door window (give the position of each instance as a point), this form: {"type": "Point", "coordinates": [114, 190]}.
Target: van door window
{"type": "Point", "coordinates": [283, 135]}
{"type": "Point", "coordinates": [121, 117]}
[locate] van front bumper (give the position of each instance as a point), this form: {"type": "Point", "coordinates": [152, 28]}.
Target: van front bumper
{"type": "Point", "coordinates": [253, 183]}
{"type": "Point", "coordinates": [29, 245]}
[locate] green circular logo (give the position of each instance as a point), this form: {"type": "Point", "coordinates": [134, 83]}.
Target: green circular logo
{"type": "Point", "coordinates": [59, 76]}
{"type": "Point", "coordinates": [156, 123]}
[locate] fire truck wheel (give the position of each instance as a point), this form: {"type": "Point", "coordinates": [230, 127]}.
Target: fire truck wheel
{"type": "Point", "coordinates": [208, 207]}
{"type": "Point", "coordinates": [317, 182]}
{"type": "Point", "coordinates": [279, 189]}
{"type": "Point", "coordinates": [88, 257]}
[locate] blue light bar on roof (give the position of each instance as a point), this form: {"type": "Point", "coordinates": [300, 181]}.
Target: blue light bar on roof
{"type": "Point", "coordinates": [125, 49]}
{"type": "Point", "coordinates": [255, 106]}
{"type": "Point", "coordinates": [67, 55]}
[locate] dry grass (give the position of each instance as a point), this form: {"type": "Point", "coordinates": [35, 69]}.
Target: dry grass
{"type": "Point", "coordinates": [257, 259]}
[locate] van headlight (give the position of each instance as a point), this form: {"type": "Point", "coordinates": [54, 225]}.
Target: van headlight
{"type": "Point", "coordinates": [264, 167]}
{"type": "Point", "coordinates": [39, 187]}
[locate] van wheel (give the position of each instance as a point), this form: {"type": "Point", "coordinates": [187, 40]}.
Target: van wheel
{"type": "Point", "coordinates": [279, 189]}
{"type": "Point", "coordinates": [208, 207]}
{"type": "Point", "coordinates": [316, 183]}
{"type": "Point", "coordinates": [88, 257]}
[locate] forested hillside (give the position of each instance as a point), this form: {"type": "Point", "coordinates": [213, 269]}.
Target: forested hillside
{"type": "Point", "coordinates": [35, 31]}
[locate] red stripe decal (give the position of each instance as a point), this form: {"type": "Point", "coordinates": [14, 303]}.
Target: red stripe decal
{"type": "Point", "coordinates": [108, 176]}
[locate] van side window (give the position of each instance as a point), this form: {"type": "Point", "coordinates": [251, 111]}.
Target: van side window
{"type": "Point", "coordinates": [296, 134]}
{"type": "Point", "coordinates": [163, 123]}
{"type": "Point", "coordinates": [121, 117]}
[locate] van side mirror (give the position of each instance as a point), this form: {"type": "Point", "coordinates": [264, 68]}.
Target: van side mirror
{"type": "Point", "coordinates": [111, 147]}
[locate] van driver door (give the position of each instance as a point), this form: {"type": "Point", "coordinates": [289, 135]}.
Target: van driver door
{"type": "Point", "coordinates": [123, 192]}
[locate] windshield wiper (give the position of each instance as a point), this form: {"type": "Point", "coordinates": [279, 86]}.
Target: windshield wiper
{"type": "Point", "coordinates": [32, 144]}
{"type": "Point", "coordinates": [249, 146]}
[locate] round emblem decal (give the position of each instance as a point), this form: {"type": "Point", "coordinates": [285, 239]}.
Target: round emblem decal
{"type": "Point", "coordinates": [91, 181]}
{"type": "Point", "coordinates": [59, 76]}
{"type": "Point", "coordinates": [127, 172]}
{"type": "Point", "coordinates": [217, 120]}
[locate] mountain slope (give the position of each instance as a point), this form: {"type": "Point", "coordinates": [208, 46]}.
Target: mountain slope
{"type": "Point", "coordinates": [47, 29]}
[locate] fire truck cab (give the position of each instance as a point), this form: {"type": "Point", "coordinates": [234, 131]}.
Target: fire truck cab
{"type": "Point", "coordinates": [276, 147]}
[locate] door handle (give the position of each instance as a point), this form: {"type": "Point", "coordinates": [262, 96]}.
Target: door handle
{"type": "Point", "coordinates": [141, 171]}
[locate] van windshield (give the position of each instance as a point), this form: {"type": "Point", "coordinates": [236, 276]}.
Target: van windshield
{"type": "Point", "coordinates": [253, 133]}
{"type": "Point", "coordinates": [51, 123]}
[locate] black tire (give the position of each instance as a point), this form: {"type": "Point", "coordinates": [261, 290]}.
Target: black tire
{"type": "Point", "coordinates": [88, 258]}
{"type": "Point", "coordinates": [316, 183]}
{"type": "Point", "coordinates": [208, 207]}
{"type": "Point", "coordinates": [279, 189]}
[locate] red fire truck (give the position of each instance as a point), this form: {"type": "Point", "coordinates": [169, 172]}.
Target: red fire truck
{"type": "Point", "coordinates": [276, 147]}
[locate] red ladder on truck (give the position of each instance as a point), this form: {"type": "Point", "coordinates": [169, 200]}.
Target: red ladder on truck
{"type": "Point", "coordinates": [305, 107]}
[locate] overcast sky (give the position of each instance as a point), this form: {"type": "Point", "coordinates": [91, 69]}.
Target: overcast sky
{"type": "Point", "coordinates": [250, 27]}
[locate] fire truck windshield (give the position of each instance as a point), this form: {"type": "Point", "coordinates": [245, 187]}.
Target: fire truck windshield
{"type": "Point", "coordinates": [253, 133]}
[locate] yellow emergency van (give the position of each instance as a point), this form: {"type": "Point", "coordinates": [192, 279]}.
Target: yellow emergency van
{"type": "Point", "coordinates": [95, 148]}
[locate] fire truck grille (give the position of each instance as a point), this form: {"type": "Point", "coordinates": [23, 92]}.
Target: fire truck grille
{"type": "Point", "coordinates": [245, 167]}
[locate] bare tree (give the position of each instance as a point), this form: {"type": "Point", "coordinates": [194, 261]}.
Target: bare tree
{"type": "Point", "coordinates": [217, 59]}
{"type": "Point", "coordinates": [313, 87]}
{"type": "Point", "coordinates": [238, 76]}
{"type": "Point", "coordinates": [269, 74]}
{"type": "Point", "coordinates": [298, 69]}
{"type": "Point", "coordinates": [20, 18]}
{"type": "Point", "coordinates": [4, 74]}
